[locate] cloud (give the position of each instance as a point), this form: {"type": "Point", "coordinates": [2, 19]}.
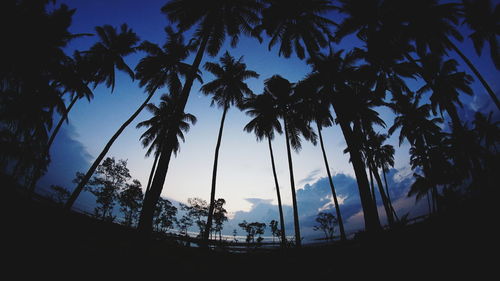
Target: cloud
{"type": "Point", "coordinates": [317, 197]}
{"type": "Point", "coordinates": [67, 157]}
{"type": "Point", "coordinates": [311, 177]}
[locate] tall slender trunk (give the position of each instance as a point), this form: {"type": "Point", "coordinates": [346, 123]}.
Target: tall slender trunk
{"type": "Point", "coordinates": [334, 194]}
{"type": "Point", "coordinates": [280, 207]}
{"type": "Point", "coordinates": [372, 186]}
{"type": "Point", "coordinates": [208, 226]}
{"type": "Point", "coordinates": [372, 221]}
{"type": "Point", "coordinates": [145, 224]}
{"type": "Point", "coordinates": [298, 242]}
{"type": "Point", "coordinates": [385, 201]}
{"type": "Point", "coordinates": [151, 197]}
{"type": "Point", "coordinates": [153, 168]}
{"type": "Point", "coordinates": [64, 117]}
{"type": "Point", "coordinates": [103, 153]}
{"type": "Point", "coordinates": [388, 195]}
{"type": "Point", "coordinates": [476, 72]}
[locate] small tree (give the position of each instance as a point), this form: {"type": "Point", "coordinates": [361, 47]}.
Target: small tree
{"type": "Point", "coordinates": [275, 230]}
{"type": "Point", "coordinates": [220, 216]}
{"type": "Point", "coordinates": [59, 194]}
{"type": "Point", "coordinates": [197, 209]}
{"type": "Point", "coordinates": [130, 200]}
{"type": "Point", "coordinates": [253, 229]}
{"type": "Point", "coordinates": [184, 223]}
{"type": "Point", "coordinates": [327, 222]}
{"type": "Point", "coordinates": [110, 178]}
{"type": "Point", "coordinates": [164, 215]}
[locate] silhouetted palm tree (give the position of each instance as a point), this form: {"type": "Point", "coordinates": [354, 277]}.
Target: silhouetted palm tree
{"type": "Point", "coordinates": [227, 89]}
{"type": "Point", "coordinates": [332, 74]}
{"type": "Point", "coordinates": [483, 18]}
{"type": "Point", "coordinates": [445, 83]}
{"type": "Point", "coordinates": [319, 111]}
{"type": "Point", "coordinates": [295, 24]}
{"type": "Point", "coordinates": [265, 122]}
{"type": "Point", "coordinates": [290, 108]}
{"type": "Point", "coordinates": [422, 133]}
{"type": "Point", "coordinates": [384, 158]}
{"type": "Point", "coordinates": [213, 20]}
{"type": "Point", "coordinates": [159, 124]}
{"type": "Point", "coordinates": [153, 71]}
{"type": "Point", "coordinates": [433, 31]}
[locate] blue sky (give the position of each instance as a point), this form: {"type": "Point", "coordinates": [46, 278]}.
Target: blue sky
{"type": "Point", "coordinates": [244, 170]}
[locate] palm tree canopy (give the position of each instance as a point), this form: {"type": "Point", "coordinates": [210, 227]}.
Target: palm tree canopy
{"type": "Point", "coordinates": [291, 107]}
{"type": "Point", "coordinates": [164, 119]}
{"type": "Point", "coordinates": [215, 19]}
{"type": "Point", "coordinates": [163, 65]}
{"type": "Point", "coordinates": [265, 120]}
{"type": "Point", "coordinates": [228, 88]}
{"type": "Point", "coordinates": [295, 23]}
{"type": "Point", "coordinates": [109, 53]}
{"type": "Point", "coordinates": [484, 20]}
{"type": "Point", "coordinates": [444, 81]}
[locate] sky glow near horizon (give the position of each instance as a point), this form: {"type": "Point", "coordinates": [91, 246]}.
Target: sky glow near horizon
{"type": "Point", "coordinates": [244, 169]}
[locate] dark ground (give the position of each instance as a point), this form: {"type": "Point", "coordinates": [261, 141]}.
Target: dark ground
{"type": "Point", "coordinates": [43, 239]}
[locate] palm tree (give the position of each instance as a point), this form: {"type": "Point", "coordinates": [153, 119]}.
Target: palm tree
{"type": "Point", "coordinates": [384, 157]}
{"type": "Point", "coordinates": [413, 121]}
{"type": "Point", "coordinates": [332, 74]}
{"type": "Point", "coordinates": [265, 122]}
{"type": "Point", "coordinates": [159, 124]}
{"type": "Point", "coordinates": [484, 20]}
{"type": "Point", "coordinates": [213, 20]}
{"type": "Point", "coordinates": [227, 89]}
{"type": "Point", "coordinates": [295, 24]}
{"type": "Point", "coordinates": [160, 68]}
{"type": "Point", "coordinates": [319, 109]}
{"type": "Point", "coordinates": [433, 31]}
{"type": "Point", "coordinates": [374, 145]}
{"type": "Point", "coordinates": [445, 83]}
{"type": "Point", "coordinates": [290, 108]}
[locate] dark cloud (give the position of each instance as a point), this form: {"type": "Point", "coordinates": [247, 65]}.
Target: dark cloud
{"type": "Point", "coordinates": [317, 197]}
{"type": "Point", "coordinates": [67, 157]}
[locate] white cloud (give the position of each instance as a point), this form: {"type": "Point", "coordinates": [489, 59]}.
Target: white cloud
{"type": "Point", "coordinates": [403, 173]}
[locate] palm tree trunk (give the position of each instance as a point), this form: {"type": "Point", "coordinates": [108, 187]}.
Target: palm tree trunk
{"type": "Point", "coordinates": [388, 195]}
{"type": "Point", "coordinates": [385, 202]}
{"type": "Point", "coordinates": [372, 186]}
{"type": "Point", "coordinates": [280, 207]}
{"type": "Point", "coordinates": [103, 153]}
{"type": "Point", "coordinates": [208, 226]}
{"type": "Point", "coordinates": [151, 174]}
{"type": "Point", "coordinates": [146, 217]}
{"type": "Point", "coordinates": [372, 221]}
{"type": "Point", "coordinates": [476, 72]}
{"type": "Point", "coordinates": [334, 194]}
{"type": "Point", "coordinates": [298, 242]}
{"type": "Point", "coordinates": [145, 224]}
{"type": "Point", "coordinates": [63, 118]}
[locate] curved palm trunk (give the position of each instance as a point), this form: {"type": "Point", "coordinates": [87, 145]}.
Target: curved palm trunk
{"type": "Point", "coordinates": [63, 118]}
{"type": "Point", "coordinates": [103, 153]}
{"type": "Point", "coordinates": [476, 72]}
{"type": "Point", "coordinates": [298, 242]}
{"type": "Point", "coordinates": [372, 221]}
{"type": "Point", "coordinates": [388, 195]}
{"type": "Point", "coordinates": [334, 194]}
{"type": "Point", "coordinates": [208, 226]}
{"type": "Point", "coordinates": [385, 201]}
{"type": "Point", "coordinates": [280, 207]}
{"type": "Point", "coordinates": [151, 174]}
{"type": "Point", "coordinates": [151, 197]}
